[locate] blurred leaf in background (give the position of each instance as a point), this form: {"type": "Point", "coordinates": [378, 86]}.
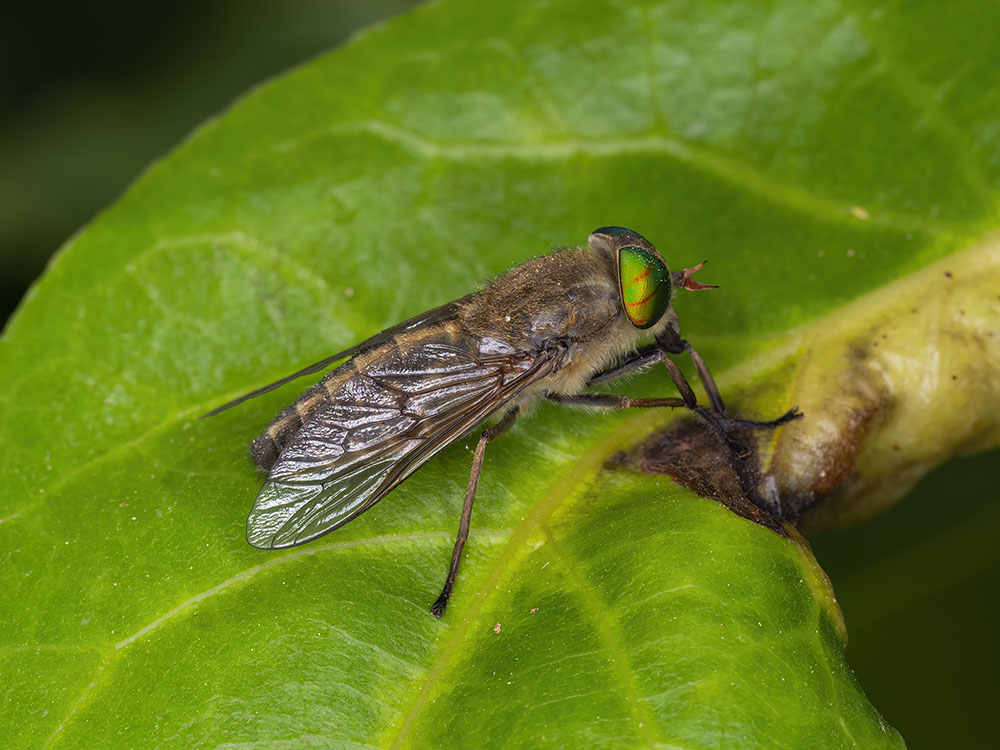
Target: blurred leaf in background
{"type": "Point", "coordinates": [91, 94]}
{"type": "Point", "coordinates": [918, 591]}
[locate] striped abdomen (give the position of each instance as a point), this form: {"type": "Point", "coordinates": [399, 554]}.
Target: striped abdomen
{"type": "Point", "coordinates": [284, 427]}
{"type": "Point", "coordinates": [268, 446]}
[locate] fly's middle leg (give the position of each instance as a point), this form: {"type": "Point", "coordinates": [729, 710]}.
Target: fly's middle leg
{"type": "Point", "coordinates": [437, 609]}
{"type": "Point", "coordinates": [608, 401]}
{"type": "Point", "coordinates": [670, 343]}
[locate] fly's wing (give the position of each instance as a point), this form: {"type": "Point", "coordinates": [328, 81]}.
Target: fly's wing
{"type": "Point", "coordinates": [437, 315]}
{"type": "Point", "coordinates": [381, 425]}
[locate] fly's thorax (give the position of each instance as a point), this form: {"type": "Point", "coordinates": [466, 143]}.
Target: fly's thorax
{"type": "Point", "coordinates": [569, 295]}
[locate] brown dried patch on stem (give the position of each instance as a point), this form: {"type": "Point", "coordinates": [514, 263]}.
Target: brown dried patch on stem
{"type": "Point", "coordinates": [695, 458]}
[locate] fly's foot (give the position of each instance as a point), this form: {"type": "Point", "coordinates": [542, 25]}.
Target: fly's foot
{"type": "Point", "coordinates": [723, 426]}
{"type": "Point", "coordinates": [439, 606]}
{"type": "Point", "coordinates": [750, 424]}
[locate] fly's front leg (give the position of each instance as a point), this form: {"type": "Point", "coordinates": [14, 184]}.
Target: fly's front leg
{"type": "Point", "coordinates": [643, 359]}
{"type": "Point", "coordinates": [437, 609]}
{"type": "Point", "coordinates": [716, 421]}
{"type": "Point", "coordinates": [671, 342]}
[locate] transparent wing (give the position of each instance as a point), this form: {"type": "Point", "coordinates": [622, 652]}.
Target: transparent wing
{"type": "Point", "coordinates": [379, 427]}
{"type": "Point", "coordinates": [438, 314]}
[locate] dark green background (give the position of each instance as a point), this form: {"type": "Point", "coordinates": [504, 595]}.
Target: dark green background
{"type": "Point", "coordinates": [92, 94]}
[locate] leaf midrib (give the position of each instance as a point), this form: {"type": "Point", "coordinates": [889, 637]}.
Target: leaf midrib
{"type": "Point", "coordinates": [730, 171]}
{"type": "Point", "coordinates": [641, 716]}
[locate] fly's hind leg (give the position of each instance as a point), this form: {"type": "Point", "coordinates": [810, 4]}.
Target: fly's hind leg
{"type": "Point", "coordinates": [437, 609]}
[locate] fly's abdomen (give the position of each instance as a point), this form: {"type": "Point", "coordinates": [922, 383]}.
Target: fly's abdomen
{"type": "Point", "coordinates": [267, 447]}
{"type": "Point", "coordinates": [398, 362]}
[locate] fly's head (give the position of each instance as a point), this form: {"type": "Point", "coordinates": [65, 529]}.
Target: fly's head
{"type": "Point", "coordinates": [644, 282]}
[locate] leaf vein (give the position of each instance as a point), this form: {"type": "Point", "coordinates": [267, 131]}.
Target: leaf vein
{"type": "Point", "coordinates": [734, 172]}
{"type": "Point", "coordinates": [641, 715]}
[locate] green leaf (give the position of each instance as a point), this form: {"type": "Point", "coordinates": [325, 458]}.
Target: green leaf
{"type": "Point", "coordinates": [826, 159]}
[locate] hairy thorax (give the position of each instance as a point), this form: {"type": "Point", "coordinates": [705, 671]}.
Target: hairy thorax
{"type": "Point", "coordinates": [570, 297]}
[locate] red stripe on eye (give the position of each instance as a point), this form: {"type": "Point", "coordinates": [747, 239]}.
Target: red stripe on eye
{"type": "Point", "coordinates": [645, 299]}
{"type": "Point", "coordinates": [642, 275]}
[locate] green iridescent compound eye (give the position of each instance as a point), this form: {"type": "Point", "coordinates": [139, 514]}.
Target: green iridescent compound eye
{"type": "Point", "coordinates": [645, 285]}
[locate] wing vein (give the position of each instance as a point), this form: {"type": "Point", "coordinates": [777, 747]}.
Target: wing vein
{"type": "Point", "coordinates": [372, 434]}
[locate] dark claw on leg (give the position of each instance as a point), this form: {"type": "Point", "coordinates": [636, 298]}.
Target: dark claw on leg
{"type": "Point", "coordinates": [723, 425]}
{"type": "Point", "coordinates": [438, 607]}
{"type": "Point", "coordinates": [750, 424]}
